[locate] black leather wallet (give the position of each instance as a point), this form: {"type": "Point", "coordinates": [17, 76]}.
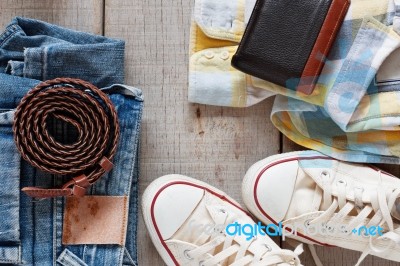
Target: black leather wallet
{"type": "Point", "coordinates": [286, 41]}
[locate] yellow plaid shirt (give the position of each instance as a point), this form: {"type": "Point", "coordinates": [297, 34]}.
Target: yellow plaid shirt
{"type": "Point", "coordinates": [354, 112]}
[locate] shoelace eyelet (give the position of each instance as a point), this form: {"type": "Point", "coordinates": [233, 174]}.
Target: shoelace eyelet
{"type": "Point", "coordinates": [292, 261]}
{"type": "Point", "coordinates": [342, 182]}
{"type": "Point", "coordinates": [223, 210]}
{"type": "Point", "coordinates": [201, 263]}
{"type": "Point", "coordinates": [218, 231]}
{"type": "Point", "coordinates": [307, 223]}
{"type": "Point", "coordinates": [185, 253]}
{"type": "Point", "coordinates": [327, 226]}
{"type": "Point", "coordinates": [344, 229]}
{"type": "Point", "coordinates": [365, 234]}
{"type": "Point", "coordinates": [325, 174]}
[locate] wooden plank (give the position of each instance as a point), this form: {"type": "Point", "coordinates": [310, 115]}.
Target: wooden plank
{"type": "Point", "coordinates": [331, 256]}
{"type": "Point", "coordinates": [85, 15]}
{"type": "Point", "coordinates": [214, 144]}
{"type": "Point", "coordinates": [338, 256]}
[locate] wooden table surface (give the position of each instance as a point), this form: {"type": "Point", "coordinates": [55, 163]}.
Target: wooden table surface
{"type": "Point", "coordinates": [214, 144]}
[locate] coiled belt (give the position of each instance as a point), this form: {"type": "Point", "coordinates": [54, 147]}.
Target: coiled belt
{"type": "Point", "coordinates": [86, 108]}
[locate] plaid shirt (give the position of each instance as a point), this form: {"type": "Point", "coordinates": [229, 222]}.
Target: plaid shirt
{"type": "Point", "coordinates": [354, 112]}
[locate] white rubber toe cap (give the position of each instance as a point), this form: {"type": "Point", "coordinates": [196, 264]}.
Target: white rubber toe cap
{"type": "Point", "coordinates": [173, 206]}
{"type": "Point", "coordinates": [168, 202]}
{"type": "Point", "coordinates": [268, 188]}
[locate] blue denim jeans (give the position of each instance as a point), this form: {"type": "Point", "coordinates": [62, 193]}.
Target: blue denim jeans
{"type": "Point", "coordinates": [30, 230]}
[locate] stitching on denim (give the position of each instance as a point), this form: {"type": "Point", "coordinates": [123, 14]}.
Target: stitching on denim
{"type": "Point", "coordinates": [42, 63]}
{"type": "Point", "coordinates": [10, 261]}
{"type": "Point", "coordinates": [55, 229]}
{"type": "Point", "coordinates": [44, 60]}
{"type": "Point", "coordinates": [8, 33]}
{"type": "Point", "coordinates": [13, 261]}
{"type": "Point", "coordinates": [136, 152]}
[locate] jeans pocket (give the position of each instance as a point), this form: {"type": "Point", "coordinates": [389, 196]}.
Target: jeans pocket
{"type": "Point", "coordinates": [67, 258]}
{"type": "Point", "coordinates": [9, 192]}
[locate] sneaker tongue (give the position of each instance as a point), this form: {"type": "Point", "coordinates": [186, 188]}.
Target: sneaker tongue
{"type": "Point", "coordinates": [204, 223]}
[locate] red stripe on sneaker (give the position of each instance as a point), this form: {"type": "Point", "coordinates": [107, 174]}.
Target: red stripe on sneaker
{"type": "Point", "coordinates": [223, 197]}
{"type": "Point", "coordinates": [258, 203]}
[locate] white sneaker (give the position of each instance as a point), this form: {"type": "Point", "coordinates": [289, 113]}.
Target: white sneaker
{"type": "Point", "coordinates": [187, 219]}
{"type": "Point", "coordinates": [327, 201]}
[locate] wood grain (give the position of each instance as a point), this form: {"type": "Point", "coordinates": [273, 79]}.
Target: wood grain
{"type": "Point", "coordinates": [214, 144]}
{"type": "Point", "coordinates": [85, 15]}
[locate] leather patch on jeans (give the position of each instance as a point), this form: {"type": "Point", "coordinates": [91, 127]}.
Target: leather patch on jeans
{"type": "Point", "coordinates": [95, 220]}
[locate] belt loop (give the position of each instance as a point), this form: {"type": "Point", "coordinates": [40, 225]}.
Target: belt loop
{"type": "Point", "coordinates": [81, 184]}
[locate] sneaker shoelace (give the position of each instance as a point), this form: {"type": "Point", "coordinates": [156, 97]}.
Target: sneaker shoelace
{"type": "Point", "coordinates": [230, 247]}
{"type": "Point", "coordinates": [380, 208]}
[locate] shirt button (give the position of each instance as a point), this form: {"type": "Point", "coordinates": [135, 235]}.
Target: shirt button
{"type": "Point", "coordinates": [209, 55]}
{"type": "Point", "coordinates": [225, 55]}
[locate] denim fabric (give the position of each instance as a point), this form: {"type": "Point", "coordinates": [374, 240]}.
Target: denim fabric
{"type": "Point", "coordinates": [31, 231]}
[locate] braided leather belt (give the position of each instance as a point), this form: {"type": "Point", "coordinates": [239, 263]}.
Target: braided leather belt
{"type": "Point", "coordinates": [83, 106]}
